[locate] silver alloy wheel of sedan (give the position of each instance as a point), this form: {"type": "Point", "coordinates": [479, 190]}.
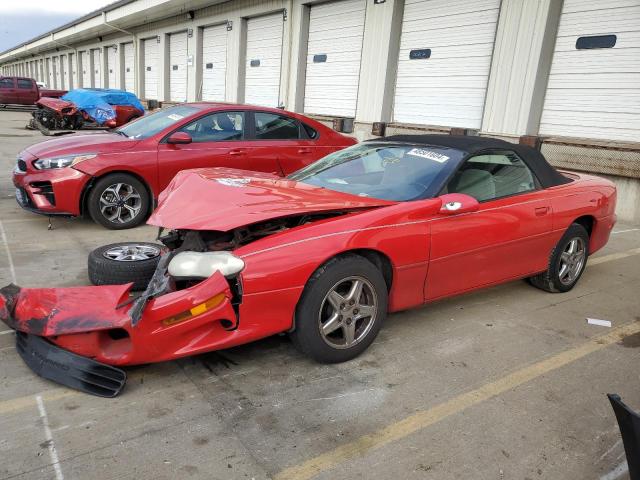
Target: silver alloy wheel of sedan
{"type": "Point", "coordinates": [348, 312]}
{"type": "Point", "coordinates": [120, 203]}
{"type": "Point", "coordinates": [572, 261]}
{"type": "Point", "coordinates": [131, 252]}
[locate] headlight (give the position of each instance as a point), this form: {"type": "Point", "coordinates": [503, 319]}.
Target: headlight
{"type": "Point", "coordinates": [204, 264]}
{"type": "Point", "coordinates": [61, 162]}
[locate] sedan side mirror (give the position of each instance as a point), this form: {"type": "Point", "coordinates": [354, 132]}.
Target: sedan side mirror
{"type": "Point", "coordinates": [456, 203]}
{"type": "Point", "coordinates": [179, 138]}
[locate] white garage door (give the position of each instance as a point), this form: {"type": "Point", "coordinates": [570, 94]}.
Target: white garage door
{"type": "Point", "coordinates": [50, 76]}
{"type": "Point", "coordinates": [129, 70]}
{"type": "Point", "coordinates": [64, 68]}
{"type": "Point", "coordinates": [264, 59]}
{"type": "Point", "coordinates": [97, 68]}
{"type": "Point", "coordinates": [56, 71]}
{"type": "Point", "coordinates": [86, 69]}
{"type": "Point", "coordinates": [333, 57]}
{"type": "Point", "coordinates": [73, 79]}
{"type": "Point", "coordinates": [178, 67]}
{"type": "Point", "coordinates": [594, 83]}
{"type": "Point", "coordinates": [151, 62]}
{"type": "Point", "coordinates": [214, 63]}
{"type": "Point", "coordinates": [444, 63]}
{"type": "Point", "coordinates": [112, 71]}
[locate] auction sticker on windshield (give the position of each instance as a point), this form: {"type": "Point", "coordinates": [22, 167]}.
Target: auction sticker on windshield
{"type": "Point", "coordinates": [175, 117]}
{"type": "Point", "coordinates": [431, 155]}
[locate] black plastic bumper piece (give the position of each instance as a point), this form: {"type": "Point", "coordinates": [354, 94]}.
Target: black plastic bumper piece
{"type": "Point", "coordinates": [67, 368]}
{"type": "Point", "coordinates": [629, 423]}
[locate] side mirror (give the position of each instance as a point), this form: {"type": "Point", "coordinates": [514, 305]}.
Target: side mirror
{"type": "Point", "coordinates": [179, 138]}
{"type": "Point", "coordinates": [456, 203]}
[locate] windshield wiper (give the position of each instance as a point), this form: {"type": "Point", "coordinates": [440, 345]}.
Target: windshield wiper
{"type": "Point", "coordinates": [120, 132]}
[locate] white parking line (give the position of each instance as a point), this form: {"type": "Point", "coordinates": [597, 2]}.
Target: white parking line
{"type": "Point", "coordinates": [625, 231]}
{"type": "Point", "coordinates": [6, 332]}
{"type": "Point", "coordinates": [12, 269]}
{"type": "Point", "coordinates": [49, 438]}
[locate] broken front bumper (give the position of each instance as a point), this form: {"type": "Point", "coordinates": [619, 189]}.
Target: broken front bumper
{"type": "Point", "coordinates": [94, 323]}
{"type": "Point", "coordinates": [69, 369]}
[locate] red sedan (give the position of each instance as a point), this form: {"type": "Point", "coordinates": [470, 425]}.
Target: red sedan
{"type": "Point", "coordinates": [115, 177]}
{"type": "Point", "coordinates": [324, 254]}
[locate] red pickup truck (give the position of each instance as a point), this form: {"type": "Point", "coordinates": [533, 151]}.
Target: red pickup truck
{"type": "Point", "coordinates": [23, 91]}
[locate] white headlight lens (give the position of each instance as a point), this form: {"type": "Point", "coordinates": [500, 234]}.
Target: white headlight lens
{"type": "Point", "coordinates": [204, 264]}
{"type": "Point", "coordinates": [61, 162]}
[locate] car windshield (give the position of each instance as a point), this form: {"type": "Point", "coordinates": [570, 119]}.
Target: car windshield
{"type": "Point", "coordinates": [153, 123]}
{"type": "Point", "coordinates": [397, 172]}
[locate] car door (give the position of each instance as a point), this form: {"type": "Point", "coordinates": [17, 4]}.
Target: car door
{"type": "Point", "coordinates": [217, 140]}
{"type": "Point", "coordinates": [26, 91]}
{"type": "Point", "coordinates": [508, 237]}
{"type": "Point", "coordinates": [281, 144]}
{"type": "Point", "coordinates": [8, 91]}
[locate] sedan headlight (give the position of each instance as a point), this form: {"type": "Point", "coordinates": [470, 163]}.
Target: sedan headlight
{"type": "Point", "coordinates": [61, 162]}
{"type": "Point", "coordinates": [189, 265]}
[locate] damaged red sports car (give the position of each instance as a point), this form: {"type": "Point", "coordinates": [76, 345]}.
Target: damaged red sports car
{"type": "Point", "coordinates": [323, 254]}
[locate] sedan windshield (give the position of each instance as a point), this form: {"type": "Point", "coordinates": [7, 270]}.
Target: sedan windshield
{"type": "Point", "coordinates": [397, 172]}
{"type": "Point", "coordinates": [151, 124]}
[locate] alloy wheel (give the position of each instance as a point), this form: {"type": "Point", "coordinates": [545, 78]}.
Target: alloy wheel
{"type": "Point", "coordinates": [572, 261]}
{"type": "Point", "coordinates": [131, 252]}
{"type": "Point", "coordinates": [348, 312]}
{"type": "Point", "coordinates": [120, 203]}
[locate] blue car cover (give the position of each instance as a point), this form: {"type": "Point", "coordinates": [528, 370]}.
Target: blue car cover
{"type": "Point", "coordinates": [96, 102]}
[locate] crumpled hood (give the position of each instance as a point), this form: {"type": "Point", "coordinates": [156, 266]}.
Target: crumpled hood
{"type": "Point", "coordinates": [222, 199]}
{"type": "Point", "coordinates": [81, 143]}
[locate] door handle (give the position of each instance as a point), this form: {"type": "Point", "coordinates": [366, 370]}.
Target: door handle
{"type": "Point", "coordinates": [237, 151]}
{"type": "Point", "coordinates": [540, 211]}
{"type": "Point", "coordinates": [304, 150]}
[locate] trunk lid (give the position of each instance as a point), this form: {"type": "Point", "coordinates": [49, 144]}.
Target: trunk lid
{"type": "Point", "coordinates": [222, 199]}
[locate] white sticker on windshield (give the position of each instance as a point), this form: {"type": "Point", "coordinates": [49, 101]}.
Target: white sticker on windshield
{"type": "Point", "coordinates": [233, 182]}
{"type": "Point", "coordinates": [431, 155]}
{"type": "Point", "coordinates": [175, 116]}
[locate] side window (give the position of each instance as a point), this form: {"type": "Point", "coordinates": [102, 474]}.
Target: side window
{"type": "Point", "coordinates": [270, 126]}
{"type": "Point", "coordinates": [6, 82]}
{"type": "Point", "coordinates": [311, 133]}
{"type": "Point", "coordinates": [217, 127]}
{"type": "Point", "coordinates": [24, 84]}
{"type": "Point", "coordinates": [490, 176]}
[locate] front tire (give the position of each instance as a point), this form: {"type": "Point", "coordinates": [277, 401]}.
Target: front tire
{"type": "Point", "coordinates": [118, 201]}
{"type": "Point", "coordinates": [341, 310]}
{"type": "Point", "coordinates": [566, 263]}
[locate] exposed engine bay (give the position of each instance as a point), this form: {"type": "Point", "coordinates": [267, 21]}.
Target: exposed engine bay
{"type": "Point", "coordinates": [203, 241]}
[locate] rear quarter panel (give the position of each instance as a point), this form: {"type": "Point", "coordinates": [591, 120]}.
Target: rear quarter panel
{"type": "Point", "coordinates": [587, 195]}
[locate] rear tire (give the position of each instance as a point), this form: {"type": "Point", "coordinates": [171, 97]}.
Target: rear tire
{"type": "Point", "coordinates": [566, 263]}
{"type": "Point", "coordinates": [341, 310]}
{"type": "Point", "coordinates": [118, 201]}
{"type": "Point", "coordinates": [120, 263]}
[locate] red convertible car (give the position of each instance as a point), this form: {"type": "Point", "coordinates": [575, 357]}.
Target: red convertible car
{"type": "Point", "coordinates": [115, 177]}
{"type": "Point", "coordinates": [323, 254]}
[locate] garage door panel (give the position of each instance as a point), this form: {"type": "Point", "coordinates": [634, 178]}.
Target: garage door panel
{"type": "Point", "coordinates": [178, 67]}
{"type": "Point", "coordinates": [97, 68]}
{"type": "Point", "coordinates": [214, 62]}
{"type": "Point", "coordinates": [86, 69]}
{"type": "Point", "coordinates": [264, 51]}
{"type": "Point", "coordinates": [624, 41]}
{"type": "Point", "coordinates": [151, 66]}
{"type": "Point", "coordinates": [595, 93]}
{"type": "Point", "coordinates": [610, 100]}
{"type": "Point", "coordinates": [453, 80]}
{"type": "Point", "coordinates": [111, 67]}
{"type": "Point", "coordinates": [129, 68]}
{"type": "Point", "coordinates": [336, 31]}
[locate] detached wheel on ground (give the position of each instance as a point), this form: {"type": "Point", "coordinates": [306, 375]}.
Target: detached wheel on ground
{"type": "Point", "coordinates": [567, 262]}
{"type": "Point", "coordinates": [341, 310]}
{"type": "Point", "coordinates": [121, 263]}
{"type": "Point", "coordinates": [118, 201]}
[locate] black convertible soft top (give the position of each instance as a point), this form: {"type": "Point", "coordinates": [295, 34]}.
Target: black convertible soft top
{"type": "Point", "coordinates": [547, 175]}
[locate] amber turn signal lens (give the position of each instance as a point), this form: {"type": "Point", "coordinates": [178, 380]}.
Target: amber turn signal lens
{"type": "Point", "coordinates": [195, 311]}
